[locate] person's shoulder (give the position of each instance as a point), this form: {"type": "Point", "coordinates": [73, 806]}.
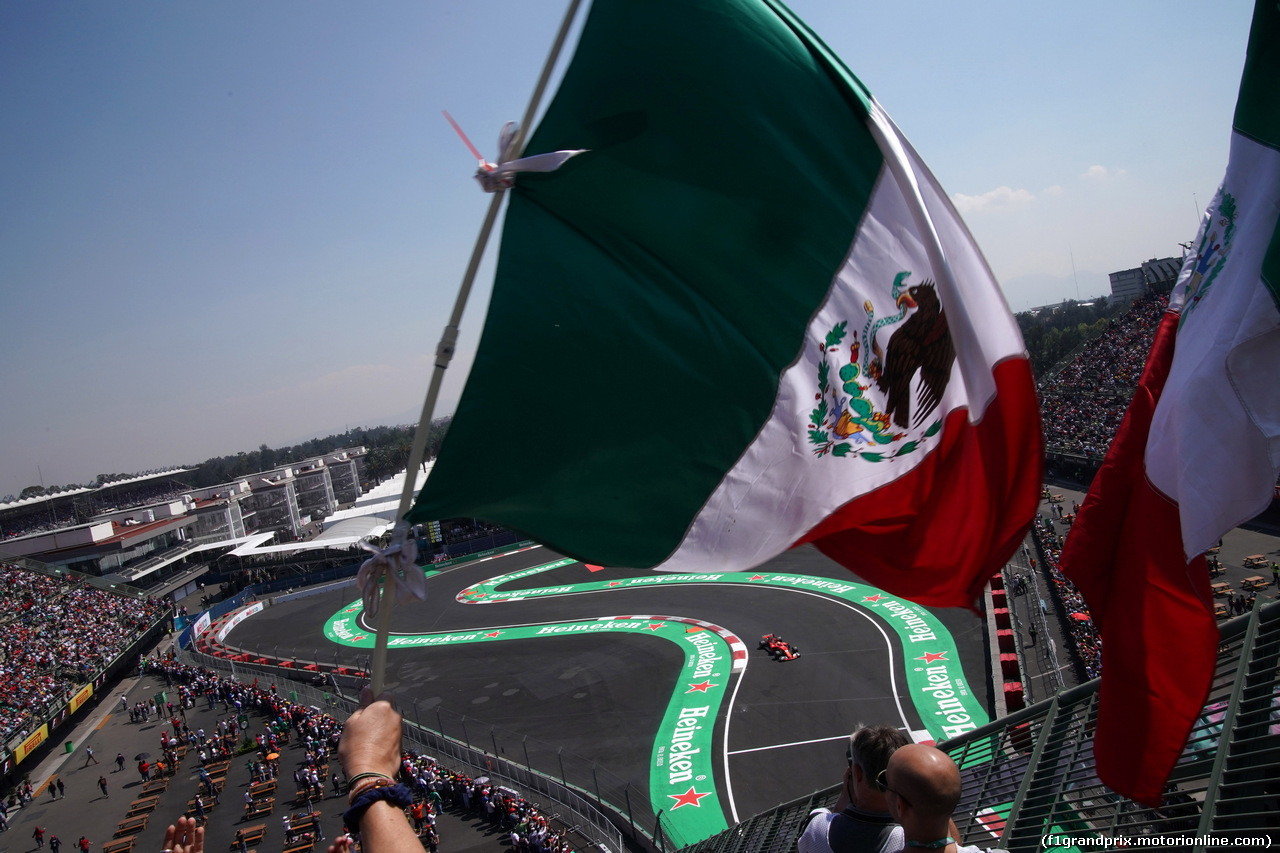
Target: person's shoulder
{"type": "Point", "coordinates": [813, 835]}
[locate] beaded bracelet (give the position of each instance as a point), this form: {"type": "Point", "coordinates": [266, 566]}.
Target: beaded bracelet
{"type": "Point", "coordinates": [367, 785]}
{"type": "Point", "coordinates": [398, 795]}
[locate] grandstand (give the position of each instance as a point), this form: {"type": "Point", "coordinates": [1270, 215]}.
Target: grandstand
{"type": "Point", "coordinates": [64, 636]}
{"type": "Point", "coordinates": [1082, 404]}
{"type": "Point", "coordinates": [79, 505]}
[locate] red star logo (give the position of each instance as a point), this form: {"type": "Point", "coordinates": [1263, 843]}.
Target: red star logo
{"type": "Point", "coordinates": [477, 595]}
{"type": "Point", "coordinates": [688, 798]}
{"type": "Point", "coordinates": [653, 626]}
{"type": "Point", "coordinates": [493, 633]}
{"type": "Point", "coordinates": [592, 568]}
{"type": "Point", "coordinates": [752, 578]}
{"type": "Point", "coordinates": [351, 610]}
{"type": "Point", "coordinates": [699, 688]}
{"type": "Point", "coordinates": [930, 657]}
{"type": "Point", "coordinates": [875, 597]}
{"type": "Point", "coordinates": [615, 583]}
{"type": "Point", "coordinates": [360, 637]}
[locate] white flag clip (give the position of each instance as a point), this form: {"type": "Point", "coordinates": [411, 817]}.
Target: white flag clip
{"type": "Point", "coordinates": [494, 177]}
{"type": "Point", "coordinates": [396, 563]}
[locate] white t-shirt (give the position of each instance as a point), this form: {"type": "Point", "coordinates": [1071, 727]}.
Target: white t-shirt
{"type": "Point", "coordinates": [850, 831]}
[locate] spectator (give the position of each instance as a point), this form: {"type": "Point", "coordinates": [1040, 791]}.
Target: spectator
{"type": "Point", "coordinates": [370, 756]}
{"type": "Point", "coordinates": [861, 822]}
{"type": "Point", "coordinates": [923, 789]}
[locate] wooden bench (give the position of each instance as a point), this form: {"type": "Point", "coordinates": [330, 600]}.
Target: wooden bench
{"type": "Point", "coordinates": [132, 825]}
{"type": "Point", "coordinates": [156, 786]}
{"type": "Point", "coordinates": [1255, 582]}
{"type": "Point", "coordinates": [208, 805]}
{"type": "Point", "coordinates": [142, 806]}
{"type": "Point", "coordinates": [260, 808]}
{"type": "Point", "coordinates": [1220, 610]}
{"type": "Point", "coordinates": [304, 797]}
{"type": "Point", "coordinates": [1220, 589]}
{"type": "Point", "coordinates": [304, 846]}
{"type": "Point", "coordinates": [260, 788]}
{"type": "Point", "coordinates": [121, 845]}
{"type": "Point", "coordinates": [303, 821]}
{"type": "Point", "coordinates": [1255, 561]}
{"type": "Point", "coordinates": [253, 834]}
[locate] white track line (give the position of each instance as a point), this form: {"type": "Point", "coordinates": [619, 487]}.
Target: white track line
{"type": "Point", "coordinates": [728, 780]}
{"type": "Point", "coordinates": [785, 745]}
{"type": "Point", "coordinates": [893, 681]}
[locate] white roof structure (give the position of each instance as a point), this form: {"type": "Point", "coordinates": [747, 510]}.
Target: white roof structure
{"type": "Point", "coordinates": [371, 516]}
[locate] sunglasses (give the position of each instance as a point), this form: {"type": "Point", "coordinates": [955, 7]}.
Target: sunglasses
{"type": "Point", "coordinates": [882, 780]}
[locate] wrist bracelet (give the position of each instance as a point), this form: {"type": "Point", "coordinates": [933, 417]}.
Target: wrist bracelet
{"type": "Point", "coordinates": [367, 785]}
{"type": "Point", "coordinates": [356, 778]}
{"type": "Point", "coordinates": [398, 795]}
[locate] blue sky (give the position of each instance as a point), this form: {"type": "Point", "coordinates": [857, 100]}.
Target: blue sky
{"type": "Point", "coordinates": [232, 223]}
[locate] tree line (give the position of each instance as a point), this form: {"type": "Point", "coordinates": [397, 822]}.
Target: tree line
{"type": "Point", "coordinates": [387, 452]}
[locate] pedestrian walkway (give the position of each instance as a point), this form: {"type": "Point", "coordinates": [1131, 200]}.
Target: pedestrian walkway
{"type": "Point", "coordinates": [86, 811]}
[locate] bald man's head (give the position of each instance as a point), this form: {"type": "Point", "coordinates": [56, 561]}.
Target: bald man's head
{"type": "Point", "coordinates": [927, 778]}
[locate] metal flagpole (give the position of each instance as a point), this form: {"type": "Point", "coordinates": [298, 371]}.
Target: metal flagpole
{"type": "Point", "coordinates": [445, 350]}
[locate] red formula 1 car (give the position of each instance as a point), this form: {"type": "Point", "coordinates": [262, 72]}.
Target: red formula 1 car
{"type": "Point", "coordinates": [778, 648]}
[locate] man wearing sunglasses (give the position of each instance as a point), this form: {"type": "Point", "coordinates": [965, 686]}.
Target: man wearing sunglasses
{"type": "Point", "coordinates": [922, 788]}
{"type": "Point", "coordinates": [861, 822]}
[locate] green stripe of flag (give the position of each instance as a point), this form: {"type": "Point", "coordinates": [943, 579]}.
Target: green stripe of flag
{"type": "Point", "coordinates": [1258, 109]}
{"type": "Point", "coordinates": [1258, 106]}
{"type": "Point", "coordinates": [670, 269]}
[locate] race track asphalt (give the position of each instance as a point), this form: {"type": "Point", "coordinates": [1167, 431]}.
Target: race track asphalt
{"type": "Point", "coordinates": [601, 697]}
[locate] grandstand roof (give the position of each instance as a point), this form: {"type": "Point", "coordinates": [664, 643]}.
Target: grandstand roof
{"type": "Point", "coordinates": [38, 499]}
{"type": "Point", "coordinates": [139, 478]}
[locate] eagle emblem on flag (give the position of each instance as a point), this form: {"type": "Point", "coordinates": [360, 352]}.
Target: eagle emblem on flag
{"type": "Point", "coordinates": [871, 404]}
{"type": "Point", "coordinates": [1211, 254]}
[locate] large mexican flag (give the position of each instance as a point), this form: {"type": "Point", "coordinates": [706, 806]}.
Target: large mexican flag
{"type": "Point", "coordinates": [745, 318]}
{"type": "Point", "coordinates": [1198, 453]}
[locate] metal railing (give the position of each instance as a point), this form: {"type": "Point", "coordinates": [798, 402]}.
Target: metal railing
{"type": "Point", "coordinates": [1032, 773]}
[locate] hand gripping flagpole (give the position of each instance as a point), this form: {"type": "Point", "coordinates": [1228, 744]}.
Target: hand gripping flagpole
{"type": "Point", "coordinates": [391, 573]}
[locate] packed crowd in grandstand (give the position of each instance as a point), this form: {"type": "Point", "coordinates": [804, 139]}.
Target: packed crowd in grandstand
{"type": "Point", "coordinates": [49, 518]}
{"type": "Point", "coordinates": [1081, 405]}
{"type": "Point", "coordinates": [58, 635]}
{"type": "Point", "coordinates": [142, 494]}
